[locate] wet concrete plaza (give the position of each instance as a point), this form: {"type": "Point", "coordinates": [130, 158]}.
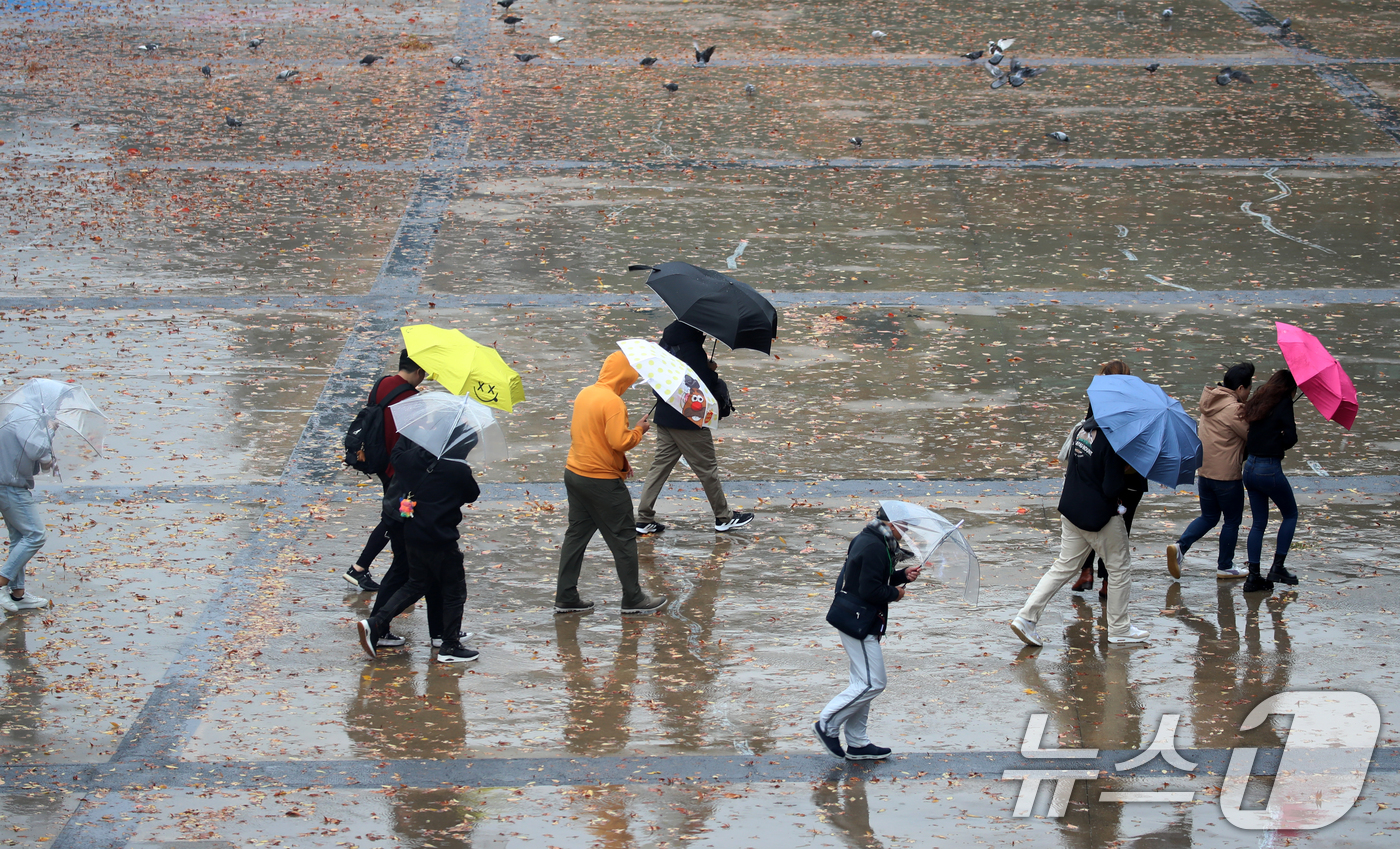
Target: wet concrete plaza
{"type": "Point", "coordinates": [227, 295]}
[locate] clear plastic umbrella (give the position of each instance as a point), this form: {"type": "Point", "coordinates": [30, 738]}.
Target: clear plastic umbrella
{"type": "Point", "coordinates": [938, 546]}
{"type": "Point", "coordinates": [438, 421]}
{"type": "Point", "coordinates": [31, 415]}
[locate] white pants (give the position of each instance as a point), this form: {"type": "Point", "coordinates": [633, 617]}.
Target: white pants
{"type": "Point", "coordinates": [851, 709]}
{"type": "Point", "coordinates": [1110, 543]}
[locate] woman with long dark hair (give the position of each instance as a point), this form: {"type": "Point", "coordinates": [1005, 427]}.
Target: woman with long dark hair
{"type": "Point", "coordinates": [1271, 432]}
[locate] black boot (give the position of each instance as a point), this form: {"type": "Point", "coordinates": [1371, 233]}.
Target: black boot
{"type": "Point", "coordinates": [1280, 574]}
{"type": "Point", "coordinates": [1256, 584]}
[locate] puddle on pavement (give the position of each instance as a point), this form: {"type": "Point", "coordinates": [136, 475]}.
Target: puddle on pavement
{"type": "Point", "coordinates": [924, 230]}
{"type": "Point", "coordinates": [698, 680]}
{"type": "Point", "coordinates": [190, 397]}
{"type": "Point", "coordinates": [971, 395]}
{"type": "Point", "coordinates": [210, 232]}
{"type": "Point", "coordinates": [944, 28]}
{"type": "Point", "coordinates": [623, 113]}
{"type": "Point", "coordinates": [129, 581]}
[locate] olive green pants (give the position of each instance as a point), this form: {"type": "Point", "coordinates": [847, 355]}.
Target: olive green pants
{"type": "Point", "coordinates": [598, 505]}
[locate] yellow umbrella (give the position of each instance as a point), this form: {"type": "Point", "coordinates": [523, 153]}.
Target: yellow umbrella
{"type": "Point", "coordinates": [463, 366]}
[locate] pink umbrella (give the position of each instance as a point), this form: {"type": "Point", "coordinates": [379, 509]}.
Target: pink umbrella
{"type": "Point", "coordinates": [1318, 374]}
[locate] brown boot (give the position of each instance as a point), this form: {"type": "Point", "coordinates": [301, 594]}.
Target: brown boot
{"type": "Point", "coordinates": [1086, 580]}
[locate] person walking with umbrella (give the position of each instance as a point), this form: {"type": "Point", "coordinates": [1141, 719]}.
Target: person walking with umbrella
{"type": "Point", "coordinates": [866, 587]}
{"type": "Point", "coordinates": [1272, 431]}
{"type": "Point", "coordinates": [1222, 430]}
{"type": "Point", "coordinates": [29, 418]}
{"type": "Point", "coordinates": [677, 436]}
{"type": "Point", "coordinates": [598, 499]}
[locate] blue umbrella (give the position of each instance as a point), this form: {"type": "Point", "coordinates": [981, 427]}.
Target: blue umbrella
{"type": "Point", "coordinates": [1147, 427]}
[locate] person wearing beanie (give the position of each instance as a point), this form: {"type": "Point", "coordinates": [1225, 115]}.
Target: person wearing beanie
{"type": "Point", "coordinates": [1219, 485]}
{"type": "Point", "coordinates": [598, 498]}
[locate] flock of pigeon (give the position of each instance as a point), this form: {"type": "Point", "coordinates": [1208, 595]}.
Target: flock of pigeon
{"type": "Point", "coordinates": [1015, 74]}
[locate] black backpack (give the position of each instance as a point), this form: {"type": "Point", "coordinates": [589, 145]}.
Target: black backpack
{"type": "Point", "coordinates": [364, 440]}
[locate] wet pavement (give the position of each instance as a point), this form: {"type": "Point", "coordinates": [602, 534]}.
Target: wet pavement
{"type": "Point", "coordinates": [946, 289]}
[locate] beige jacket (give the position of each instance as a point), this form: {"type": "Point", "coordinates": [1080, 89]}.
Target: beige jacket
{"type": "Point", "coordinates": [1223, 431]}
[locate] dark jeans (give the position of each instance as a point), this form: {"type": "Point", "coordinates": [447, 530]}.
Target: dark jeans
{"type": "Point", "coordinates": [1131, 499]}
{"type": "Point", "coordinates": [1265, 482]}
{"type": "Point", "coordinates": [397, 577]}
{"type": "Point", "coordinates": [429, 570]}
{"type": "Point", "coordinates": [1217, 497]}
{"type": "Point", "coordinates": [598, 504]}
{"type": "Point", "coordinates": [378, 538]}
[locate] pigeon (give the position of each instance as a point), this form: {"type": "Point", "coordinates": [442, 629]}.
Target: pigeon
{"type": "Point", "coordinates": [1152, 69]}
{"type": "Point", "coordinates": [370, 59]}
{"type": "Point", "coordinates": [287, 74]}
{"type": "Point", "coordinates": [1029, 73]}
{"type": "Point", "coordinates": [1058, 136]}
{"type": "Point", "coordinates": [1167, 14]}
{"type": "Point", "coordinates": [459, 61]}
{"type": "Point", "coordinates": [877, 34]}
{"type": "Point", "coordinates": [750, 90]}
{"type": "Point", "coordinates": [555, 39]}
{"type": "Point", "coordinates": [647, 61]}
{"type": "Point", "coordinates": [1242, 76]}
{"type": "Point", "coordinates": [1284, 26]}
{"type": "Point", "coordinates": [1227, 73]}
{"type": "Point", "coordinates": [255, 44]}
{"type": "Point", "coordinates": [526, 57]}
{"type": "Point", "coordinates": [148, 47]}
{"type": "Point", "coordinates": [207, 71]}
{"type": "Point", "coordinates": [670, 86]}
{"type": "Point", "coordinates": [702, 57]}
{"type": "Point", "coordinates": [855, 141]}
{"type": "Point", "coordinates": [232, 121]}
{"type": "Point", "coordinates": [974, 55]}
{"type": "Point", "coordinates": [512, 20]}
{"type": "Point", "coordinates": [998, 75]}
{"type": "Point", "coordinates": [1016, 65]}
{"type": "Point", "coordinates": [997, 48]}
{"type": "Point", "coordinates": [505, 4]}
{"type": "Point", "coordinates": [1017, 80]}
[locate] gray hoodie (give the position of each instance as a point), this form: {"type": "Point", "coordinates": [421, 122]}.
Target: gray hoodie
{"type": "Point", "coordinates": [24, 451]}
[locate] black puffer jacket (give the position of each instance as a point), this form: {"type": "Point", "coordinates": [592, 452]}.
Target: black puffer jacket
{"type": "Point", "coordinates": [869, 571]}
{"type": "Point", "coordinates": [1094, 480]}
{"type": "Point", "coordinates": [688, 345]}
{"type": "Point", "coordinates": [439, 485]}
{"type": "Point", "coordinates": [1274, 434]}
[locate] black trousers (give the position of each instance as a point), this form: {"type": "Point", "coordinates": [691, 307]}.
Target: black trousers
{"type": "Point", "coordinates": [439, 570]}
{"type": "Point", "coordinates": [379, 537]}
{"type": "Point", "coordinates": [397, 578]}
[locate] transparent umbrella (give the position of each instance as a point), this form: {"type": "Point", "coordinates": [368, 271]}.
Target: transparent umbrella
{"type": "Point", "coordinates": [32, 416]}
{"type": "Point", "coordinates": [938, 546]}
{"type": "Point", "coordinates": [439, 421]}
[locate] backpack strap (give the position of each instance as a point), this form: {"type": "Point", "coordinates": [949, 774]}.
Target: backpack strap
{"type": "Point", "coordinates": [396, 393]}
{"type": "Point", "coordinates": [392, 395]}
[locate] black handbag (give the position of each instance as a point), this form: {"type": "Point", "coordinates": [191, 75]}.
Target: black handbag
{"type": "Point", "coordinates": [851, 616]}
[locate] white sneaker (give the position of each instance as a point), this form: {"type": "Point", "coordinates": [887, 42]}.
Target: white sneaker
{"type": "Point", "coordinates": [30, 602]}
{"type": "Point", "coordinates": [1176, 558]}
{"type": "Point", "coordinates": [1025, 629]}
{"type": "Point", "coordinates": [1232, 572]}
{"type": "Point", "coordinates": [1134, 635]}
{"type": "Point", "coordinates": [7, 602]}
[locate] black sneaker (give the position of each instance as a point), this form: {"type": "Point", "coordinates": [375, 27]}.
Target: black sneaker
{"type": "Point", "coordinates": [830, 742]}
{"type": "Point", "coordinates": [577, 605]}
{"type": "Point", "coordinates": [367, 640]}
{"type": "Point", "coordinates": [648, 603]}
{"type": "Point", "coordinates": [362, 581]}
{"type": "Point", "coordinates": [868, 752]}
{"type": "Point", "coordinates": [736, 520]}
{"type": "Point", "coordinates": [391, 640]}
{"type": "Point", "coordinates": [645, 528]}
{"type": "Point", "coordinates": [457, 654]}
{"type": "Point", "coordinates": [462, 637]}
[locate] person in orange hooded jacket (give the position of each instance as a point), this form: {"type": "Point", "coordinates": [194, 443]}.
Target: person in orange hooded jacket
{"type": "Point", "coordinates": [598, 499]}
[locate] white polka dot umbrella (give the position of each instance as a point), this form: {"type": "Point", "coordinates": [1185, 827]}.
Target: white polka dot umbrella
{"type": "Point", "coordinates": [673, 380]}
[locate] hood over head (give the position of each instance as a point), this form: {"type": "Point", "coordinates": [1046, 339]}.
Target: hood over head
{"type": "Point", "coordinates": [1215, 399]}
{"type": "Point", "coordinates": [617, 373]}
{"type": "Point", "coordinates": [678, 333]}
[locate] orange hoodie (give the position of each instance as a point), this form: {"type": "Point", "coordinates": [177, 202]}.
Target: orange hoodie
{"type": "Point", "coordinates": [599, 434]}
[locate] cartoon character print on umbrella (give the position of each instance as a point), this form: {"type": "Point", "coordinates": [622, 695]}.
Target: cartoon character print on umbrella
{"type": "Point", "coordinates": [693, 403]}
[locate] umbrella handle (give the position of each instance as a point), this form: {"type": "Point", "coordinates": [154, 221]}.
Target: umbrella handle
{"type": "Point", "coordinates": [713, 347]}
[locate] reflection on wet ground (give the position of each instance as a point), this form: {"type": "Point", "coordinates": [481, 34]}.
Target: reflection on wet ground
{"type": "Point", "coordinates": [197, 683]}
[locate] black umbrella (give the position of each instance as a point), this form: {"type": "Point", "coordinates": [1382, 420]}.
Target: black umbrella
{"type": "Point", "coordinates": [714, 303]}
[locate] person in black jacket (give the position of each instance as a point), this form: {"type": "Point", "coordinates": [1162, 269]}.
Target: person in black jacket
{"type": "Point", "coordinates": [1272, 431]}
{"type": "Point", "coordinates": [425, 496]}
{"type": "Point", "coordinates": [1091, 520]}
{"type": "Point", "coordinates": [870, 576]}
{"type": "Point", "coordinates": [677, 437]}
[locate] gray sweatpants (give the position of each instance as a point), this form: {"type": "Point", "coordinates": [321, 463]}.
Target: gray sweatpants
{"type": "Point", "coordinates": [851, 709]}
